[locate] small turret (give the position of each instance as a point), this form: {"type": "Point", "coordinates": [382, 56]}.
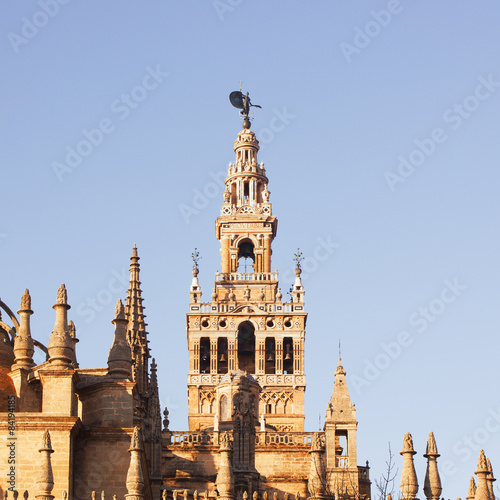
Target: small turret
{"type": "Point", "coordinates": [45, 480]}
{"type": "Point", "coordinates": [316, 481]}
{"type": "Point", "coordinates": [61, 350]}
{"type": "Point", "coordinates": [72, 333]}
{"type": "Point", "coordinates": [482, 490]}
{"type": "Point", "coordinates": [120, 357]}
{"type": "Point", "coordinates": [472, 490]}
{"type": "Point", "coordinates": [432, 483]}
{"type": "Point", "coordinates": [225, 478]}
{"type": "Point", "coordinates": [135, 476]}
{"type": "Point", "coordinates": [409, 483]}
{"type": "Point", "coordinates": [23, 343]}
{"type": "Point", "coordinates": [491, 479]}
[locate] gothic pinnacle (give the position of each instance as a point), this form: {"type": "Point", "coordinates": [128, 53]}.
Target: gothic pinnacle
{"type": "Point", "coordinates": [120, 357]}
{"type": "Point", "coordinates": [409, 483]}
{"type": "Point", "coordinates": [482, 490]}
{"type": "Point", "coordinates": [135, 476]}
{"type": "Point", "coordinates": [432, 482]}
{"type": "Point", "coordinates": [472, 489]}
{"type": "Point", "coordinates": [61, 344]}
{"type": "Point", "coordinates": [45, 480]}
{"type": "Point", "coordinates": [23, 343]}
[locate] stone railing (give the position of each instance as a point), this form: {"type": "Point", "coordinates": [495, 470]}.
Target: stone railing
{"type": "Point", "coordinates": [274, 379]}
{"type": "Point", "coordinates": [364, 472]}
{"type": "Point", "coordinates": [302, 439]}
{"type": "Point", "coordinates": [193, 438]}
{"type": "Point", "coordinates": [218, 307]}
{"type": "Point", "coordinates": [264, 439]}
{"type": "Point", "coordinates": [246, 276]}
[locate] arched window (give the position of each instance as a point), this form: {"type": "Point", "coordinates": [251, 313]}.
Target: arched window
{"type": "Point", "coordinates": [204, 355]}
{"type": "Point", "coordinates": [246, 252]}
{"type": "Point", "coordinates": [287, 355]}
{"type": "Point", "coordinates": [246, 347]}
{"type": "Point", "coordinates": [270, 355]}
{"type": "Point", "coordinates": [222, 351]}
{"type": "Point", "coordinates": [224, 408]}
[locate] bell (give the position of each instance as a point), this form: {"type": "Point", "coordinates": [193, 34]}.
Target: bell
{"type": "Point", "coordinates": [270, 357]}
{"type": "Point", "coordinates": [288, 356]}
{"type": "Point", "coordinates": [222, 358]}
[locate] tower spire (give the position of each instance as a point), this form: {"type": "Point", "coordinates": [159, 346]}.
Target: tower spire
{"type": "Point", "coordinates": [136, 328]}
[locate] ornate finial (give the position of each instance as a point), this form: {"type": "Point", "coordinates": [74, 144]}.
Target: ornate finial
{"type": "Point", "coordinates": [135, 442]}
{"type": "Point", "coordinates": [26, 301]}
{"type": "Point", "coordinates": [298, 258]}
{"type": "Point", "coordinates": [166, 421]}
{"type": "Point", "coordinates": [119, 310]}
{"type": "Point", "coordinates": [46, 444]}
{"type": "Point", "coordinates": [431, 449]}
{"type": "Point", "coordinates": [490, 469]}
{"type": "Point", "coordinates": [408, 444]}
{"type": "Point", "coordinates": [134, 251]}
{"type": "Point", "coordinates": [62, 295]}
{"type": "Point", "coordinates": [72, 329]}
{"type": "Point", "coordinates": [316, 444]}
{"type": "Point", "coordinates": [196, 258]}
{"type": "Point", "coordinates": [482, 464]}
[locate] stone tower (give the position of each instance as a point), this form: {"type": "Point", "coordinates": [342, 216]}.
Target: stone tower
{"type": "Point", "coordinates": [246, 326]}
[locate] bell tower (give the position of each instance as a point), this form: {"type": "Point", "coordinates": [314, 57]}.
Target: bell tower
{"type": "Point", "coordinates": [247, 326]}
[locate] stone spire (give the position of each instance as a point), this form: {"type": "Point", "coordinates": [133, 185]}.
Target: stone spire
{"type": "Point", "coordinates": [135, 477]}
{"type": "Point", "coordinates": [45, 480]}
{"type": "Point", "coordinates": [136, 329]}
{"type": "Point", "coordinates": [225, 479]}
{"type": "Point", "coordinates": [432, 483]}
{"type": "Point", "coordinates": [23, 343]}
{"type": "Point", "coordinates": [316, 480]}
{"type": "Point", "coordinates": [120, 357]}
{"type": "Point", "coordinates": [61, 350]}
{"type": "Point", "coordinates": [409, 483]}
{"type": "Point", "coordinates": [472, 489]}
{"type": "Point", "coordinates": [491, 479]}
{"type": "Point", "coordinates": [482, 490]}
{"type": "Point", "coordinates": [340, 407]}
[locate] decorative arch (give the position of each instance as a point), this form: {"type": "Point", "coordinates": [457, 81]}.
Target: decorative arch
{"type": "Point", "coordinates": [246, 346]}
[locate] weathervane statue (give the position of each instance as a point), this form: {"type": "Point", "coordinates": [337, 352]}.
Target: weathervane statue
{"type": "Point", "coordinates": [242, 102]}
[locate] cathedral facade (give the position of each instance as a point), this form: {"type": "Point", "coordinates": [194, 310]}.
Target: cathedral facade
{"type": "Point", "coordinates": [74, 432]}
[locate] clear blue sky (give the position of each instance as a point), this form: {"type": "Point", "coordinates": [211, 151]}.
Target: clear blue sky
{"type": "Point", "coordinates": [379, 123]}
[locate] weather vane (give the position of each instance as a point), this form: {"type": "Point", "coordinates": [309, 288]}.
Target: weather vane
{"type": "Point", "coordinates": [243, 103]}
